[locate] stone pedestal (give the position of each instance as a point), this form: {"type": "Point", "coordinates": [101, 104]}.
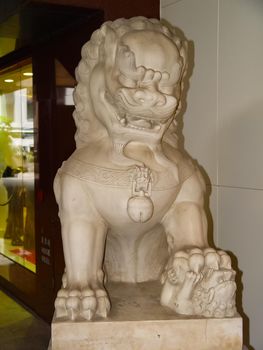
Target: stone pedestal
{"type": "Point", "coordinates": [138, 322]}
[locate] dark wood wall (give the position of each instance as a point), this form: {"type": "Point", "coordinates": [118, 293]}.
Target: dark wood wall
{"type": "Point", "coordinates": [55, 137]}
{"type": "Point", "coordinates": [114, 9]}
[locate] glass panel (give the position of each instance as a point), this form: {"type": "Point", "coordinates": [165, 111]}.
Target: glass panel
{"type": "Point", "coordinates": [65, 84]}
{"type": "Point", "coordinates": [17, 213]}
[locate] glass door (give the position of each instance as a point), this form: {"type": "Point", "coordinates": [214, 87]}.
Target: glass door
{"type": "Point", "coordinates": [17, 167]}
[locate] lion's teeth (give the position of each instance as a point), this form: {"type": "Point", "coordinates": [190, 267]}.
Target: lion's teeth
{"type": "Point", "coordinates": [137, 123]}
{"type": "Point", "coordinates": [123, 121]}
{"type": "Point", "coordinates": [157, 127]}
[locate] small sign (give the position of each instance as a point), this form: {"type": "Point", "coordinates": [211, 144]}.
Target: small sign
{"type": "Point", "coordinates": [45, 250]}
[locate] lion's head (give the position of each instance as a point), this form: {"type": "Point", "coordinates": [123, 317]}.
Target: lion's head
{"type": "Point", "coordinates": [129, 82]}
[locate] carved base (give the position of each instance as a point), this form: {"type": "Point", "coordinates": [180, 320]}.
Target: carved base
{"type": "Point", "coordinates": [138, 322]}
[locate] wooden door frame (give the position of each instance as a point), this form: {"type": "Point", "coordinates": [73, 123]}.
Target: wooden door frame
{"type": "Point", "coordinates": [114, 9]}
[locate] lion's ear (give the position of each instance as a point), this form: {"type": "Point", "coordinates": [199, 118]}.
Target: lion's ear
{"type": "Point", "coordinates": [110, 46]}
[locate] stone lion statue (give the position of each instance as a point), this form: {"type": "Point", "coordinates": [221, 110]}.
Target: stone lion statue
{"type": "Point", "coordinates": [130, 204]}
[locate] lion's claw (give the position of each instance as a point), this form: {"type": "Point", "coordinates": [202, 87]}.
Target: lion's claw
{"type": "Point", "coordinates": [103, 306]}
{"type": "Point", "coordinates": [60, 306]}
{"type": "Point", "coordinates": [84, 303]}
{"type": "Point", "coordinates": [73, 307]}
{"type": "Point", "coordinates": [89, 306]}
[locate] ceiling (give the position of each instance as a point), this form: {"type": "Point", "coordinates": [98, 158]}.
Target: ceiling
{"type": "Point", "coordinates": [16, 78]}
{"type": "Point", "coordinates": [24, 23]}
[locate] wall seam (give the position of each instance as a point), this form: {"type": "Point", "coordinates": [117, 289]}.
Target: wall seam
{"type": "Point", "coordinates": [170, 4]}
{"type": "Point", "coordinates": [217, 125]}
{"type": "Point", "coordinates": [238, 187]}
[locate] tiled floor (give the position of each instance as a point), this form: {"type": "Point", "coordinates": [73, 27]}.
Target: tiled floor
{"type": "Point", "coordinates": [19, 329]}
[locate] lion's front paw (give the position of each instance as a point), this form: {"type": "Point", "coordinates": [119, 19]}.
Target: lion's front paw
{"type": "Point", "coordinates": [199, 260]}
{"type": "Point", "coordinates": [200, 282]}
{"type": "Point", "coordinates": [85, 303]}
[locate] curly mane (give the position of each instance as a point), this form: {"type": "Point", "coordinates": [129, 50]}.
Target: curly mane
{"type": "Point", "coordinates": [89, 129]}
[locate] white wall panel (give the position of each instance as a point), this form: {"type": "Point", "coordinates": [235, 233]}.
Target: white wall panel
{"type": "Point", "coordinates": [240, 218]}
{"type": "Point", "coordinates": [223, 128]}
{"type": "Point", "coordinates": [241, 93]}
{"type": "Point", "coordinates": [198, 20]}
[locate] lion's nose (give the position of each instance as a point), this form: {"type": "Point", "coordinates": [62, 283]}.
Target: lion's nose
{"type": "Point", "coordinates": [149, 98]}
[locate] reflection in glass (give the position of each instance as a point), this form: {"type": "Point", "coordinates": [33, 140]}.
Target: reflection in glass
{"type": "Point", "coordinates": [17, 215]}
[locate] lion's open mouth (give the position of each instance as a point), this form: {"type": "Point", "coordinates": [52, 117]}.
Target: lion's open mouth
{"type": "Point", "coordinates": [137, 117]}
{"type": "Point", "coordinates": [139, 123]}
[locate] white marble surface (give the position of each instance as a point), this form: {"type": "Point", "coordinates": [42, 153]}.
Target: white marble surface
{"type": "Point", "coordinates": [130, 203]}
{"type": "Point", "coordinates": [137, 322]}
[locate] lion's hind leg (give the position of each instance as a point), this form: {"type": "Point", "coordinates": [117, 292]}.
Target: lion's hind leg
{"type": "Point", "coordinates": [83, 234]}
